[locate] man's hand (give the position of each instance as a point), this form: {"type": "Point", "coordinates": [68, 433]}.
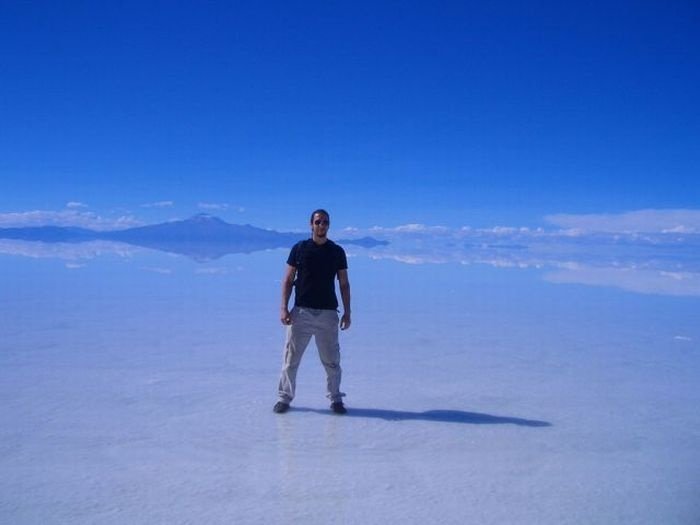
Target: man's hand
{"type": "Point", "coordinates": [285, 316]}
{"type": "Point", "coordinates": [345, 321]}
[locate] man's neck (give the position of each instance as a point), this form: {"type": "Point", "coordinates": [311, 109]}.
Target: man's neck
{"type": "Point", "coordinates": [319, 240]}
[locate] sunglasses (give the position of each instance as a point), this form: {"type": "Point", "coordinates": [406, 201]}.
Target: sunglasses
{"type": "Point", "coordinates": [319, 222]}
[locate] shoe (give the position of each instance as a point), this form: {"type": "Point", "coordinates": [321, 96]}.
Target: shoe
{"type": "Point", "coordinates": [338, 407]}
{"type": "Point", "coordinates": [280, 407]}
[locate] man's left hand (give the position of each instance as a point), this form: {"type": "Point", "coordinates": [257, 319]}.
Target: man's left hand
{"type": "Point", "coordinates": [345, 322]}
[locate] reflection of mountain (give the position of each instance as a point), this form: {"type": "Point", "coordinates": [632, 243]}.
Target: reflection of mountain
{"type": "Point", "coordinates": [202, 237]}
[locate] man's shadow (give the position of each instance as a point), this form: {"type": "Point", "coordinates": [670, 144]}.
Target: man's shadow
{"type": "Point", "coordinates": [440, 416]}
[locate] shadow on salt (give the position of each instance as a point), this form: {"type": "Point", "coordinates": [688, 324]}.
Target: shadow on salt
{"type": "Point", "coordinates": [437, 416]}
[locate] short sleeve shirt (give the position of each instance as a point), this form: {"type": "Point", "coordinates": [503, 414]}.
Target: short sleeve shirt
{"type": "Point", "coordinates": [317, 266]}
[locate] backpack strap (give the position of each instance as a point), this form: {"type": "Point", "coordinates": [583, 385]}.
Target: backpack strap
{"type": "Point", "coordinates": [300, 253]}
{"type": "Point", "coordinates": [301, 249]}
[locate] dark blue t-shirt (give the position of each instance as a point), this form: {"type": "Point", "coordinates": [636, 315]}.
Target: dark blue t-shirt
{"type": "Point", "coordinates": [317, 266]}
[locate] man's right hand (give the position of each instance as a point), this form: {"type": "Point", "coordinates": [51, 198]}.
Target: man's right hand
{"type": "Point", "coordinates": [285, 316]}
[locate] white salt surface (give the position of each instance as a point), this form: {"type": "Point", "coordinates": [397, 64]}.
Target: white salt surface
{"type": "Point", "coordinates": [475, 396]}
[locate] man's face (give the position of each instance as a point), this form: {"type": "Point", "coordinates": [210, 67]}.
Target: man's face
{"type": "Point", "coordinates": [320, 225]}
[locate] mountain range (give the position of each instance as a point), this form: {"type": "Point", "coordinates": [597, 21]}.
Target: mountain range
{"type": "Point", "coordinates": [202, 237]}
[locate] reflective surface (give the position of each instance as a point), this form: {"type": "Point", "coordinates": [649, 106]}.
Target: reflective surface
{"type": "Point", "coordinates": [139, 387]}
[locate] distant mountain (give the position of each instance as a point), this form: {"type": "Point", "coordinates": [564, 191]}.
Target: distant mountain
{"type": "Point", "coordinates": [202, 237]}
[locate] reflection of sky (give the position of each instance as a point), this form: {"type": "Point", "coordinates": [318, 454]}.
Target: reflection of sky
{"type": "Point", "coordinates": [146, 279]}
{"type": "Point", "coordinates": [150, 296]}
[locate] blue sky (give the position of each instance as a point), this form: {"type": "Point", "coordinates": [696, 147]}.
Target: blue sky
{"type": "Point", "coordinates": [455, 113]}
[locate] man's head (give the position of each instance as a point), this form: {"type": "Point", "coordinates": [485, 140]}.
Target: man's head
{"type": "Point", "coordinates": [320, 221]}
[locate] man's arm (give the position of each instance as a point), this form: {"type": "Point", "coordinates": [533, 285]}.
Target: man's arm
{"type": "Point", "coordinates": [287, 285]}
{"type": "Point", "coordinates": [344, 283]}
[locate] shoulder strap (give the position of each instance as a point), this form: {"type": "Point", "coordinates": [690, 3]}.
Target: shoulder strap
{"type": "Point", "coordinates": [301, 248]}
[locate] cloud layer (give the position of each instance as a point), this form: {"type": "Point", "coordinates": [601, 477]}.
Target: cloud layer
{"type": "Point", "coordinates": [639, 221]}
{"type": "Point", "coordinates": [73, 216]}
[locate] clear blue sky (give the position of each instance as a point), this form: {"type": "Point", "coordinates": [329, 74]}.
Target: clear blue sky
{"type": "Point", "coordinates": [474, 113]}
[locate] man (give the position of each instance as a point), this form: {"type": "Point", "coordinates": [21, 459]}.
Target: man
{"type": "Point", "coordinates": [315, 263]}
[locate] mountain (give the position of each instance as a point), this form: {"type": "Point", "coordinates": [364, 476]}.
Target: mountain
{"type": "Point", "coordinates": [202, 237]}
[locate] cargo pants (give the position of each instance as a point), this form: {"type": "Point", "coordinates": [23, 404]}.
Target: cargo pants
{"type": "Point", "coordinates": [323, 326]}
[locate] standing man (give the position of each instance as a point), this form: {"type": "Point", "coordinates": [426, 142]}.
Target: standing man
{"type": "Point", "coordinates": [316, 263]}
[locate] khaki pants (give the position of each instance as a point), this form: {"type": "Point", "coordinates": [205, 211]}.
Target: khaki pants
{"type": "Point", "coordinates": [323, 326]}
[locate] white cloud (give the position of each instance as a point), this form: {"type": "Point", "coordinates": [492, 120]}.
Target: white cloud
{"type": "Point", "coordinates": [70, 217]}
{"type": "Point", "coordinates": [415, 230]}
{"type": "Point", "coordinates": [639, 221]}
{"type": "Point", "coordinates": [159, 204]}
{"type": "Point", "coordinates": [160, 270]}
{"type": "Point", "coordinates": [682, 338]}
{"type": "Point", "coordinates": [75, 205]}
{"type": "Point", "coordinates": [212, 271]}
{"type": "Point", "coordinates": [212, 206]}
{"type": "Point", "coordinates": [409, 229]}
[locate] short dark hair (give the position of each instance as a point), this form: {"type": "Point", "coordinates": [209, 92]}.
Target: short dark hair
{"type": "Point", "coordinates": [320, 211]}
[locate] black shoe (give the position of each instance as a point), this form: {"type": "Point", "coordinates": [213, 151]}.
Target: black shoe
{"type": "Point", "coordinates": [280, 407]}
{"type": "Point", "coordinates": [338, 407]}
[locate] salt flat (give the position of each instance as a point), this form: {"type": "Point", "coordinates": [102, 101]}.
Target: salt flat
{"type": "Point", "coordinates": [141, 392]}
